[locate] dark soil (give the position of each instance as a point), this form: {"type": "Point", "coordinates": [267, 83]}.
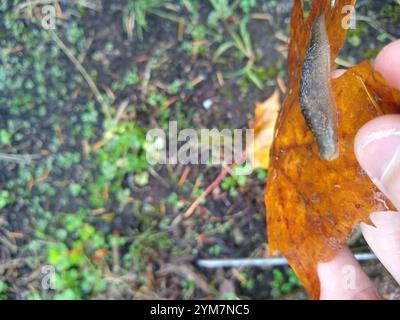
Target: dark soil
{"type": "Point", "coordinates": [231, 108]}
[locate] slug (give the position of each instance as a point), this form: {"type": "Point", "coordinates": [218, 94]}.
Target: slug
{"type": "Point", "coordinates": [316, 102]}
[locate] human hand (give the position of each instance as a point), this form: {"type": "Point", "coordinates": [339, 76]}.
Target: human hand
{"type": "Point", "coordinates": [377, 147]}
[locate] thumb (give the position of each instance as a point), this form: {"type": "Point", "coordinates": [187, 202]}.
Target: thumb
{"type": "Point", "coordinates": [377, 147]}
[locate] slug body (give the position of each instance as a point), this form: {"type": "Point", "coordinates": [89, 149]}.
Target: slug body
{"type": "Point", "coordinates": [316, 102]}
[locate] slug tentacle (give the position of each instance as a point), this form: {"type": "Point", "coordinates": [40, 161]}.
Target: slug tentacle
{"type": "Point", "coordinates": [317, 104]}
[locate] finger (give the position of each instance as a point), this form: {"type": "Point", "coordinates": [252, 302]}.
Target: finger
{"type": "Point", "coordinates": [337, 73]}
{"type": "Point", "coordinates": [388, 63]}
{"type": "Point", "coordinates": [377, 143]}
{"type": "Point", "coordinates": [335, 284]}
{"type": "Point", "coordinates": [384, 63]}
{"type": "Point", "coordinates": [377, 147]}
{"type": "Point", "coordinates": [384, 240]}
{"type": "Point", "coordinates": [343, 279]}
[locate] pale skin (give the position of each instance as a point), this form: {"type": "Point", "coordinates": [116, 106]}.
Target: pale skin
{"type": "Point", "coordinates": [377, 147]}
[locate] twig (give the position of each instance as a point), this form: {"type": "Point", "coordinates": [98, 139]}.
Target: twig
{"type": "Point", "coordinates": [22, 158]}
{"type": "Point", "coordinates": [11, 264]}
{"type": "Point", "coordinates": [31, 3]}
{"type": "Point", "coordinates": [207, 191]}
{"type": "Point", "coordinates": [121, 110]}
{"type": "Point", "coordinates": [159, 178]}
{"type": "Point", "coordinates": [377, 107]}
{"type": "Point", "coordinates": [266, 262]}
{"type": "Point", "coordinates": [115, 253]}
{"type": "Point", "coordinates": [87, 4]}
{"type": "Point", "coordinates": [84, 73]}
{"type": "Point", "coordinates": [184, 176]}
{"type": "Point", "coordinates": [374, 24]}
{"type": "Point", "coordinates": [344, 63]}
{"type": "Point", "coordinates": [5, 242]}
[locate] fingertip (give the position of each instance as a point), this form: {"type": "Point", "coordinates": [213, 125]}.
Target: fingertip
{"type": "Point", "coordinates": [388, 63]}
{"type": "Point", "coordinates": [384, 240]}
{"type": "Point", "coordinates": [342, 278]}
{"type": "Point", "coordinates": [374, 130]}
{"type": "Point", "coordinates": [377, 148]}
{"type": "Point", "coordinates": [337, 73]}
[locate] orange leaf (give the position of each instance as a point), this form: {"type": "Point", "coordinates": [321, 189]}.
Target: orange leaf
{"type": "Point", "coordinates": [264, 124]}
{"type": "Point", "coordinates": [312, 204]}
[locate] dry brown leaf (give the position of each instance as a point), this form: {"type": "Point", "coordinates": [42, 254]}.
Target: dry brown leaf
{"type": "Point", "coordinates": [312, 204]}
{"type": "Point", "coordinates": [266, 115]}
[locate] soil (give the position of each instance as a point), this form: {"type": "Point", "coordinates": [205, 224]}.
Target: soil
{"type": "Point", "coordinates": [230, 108]}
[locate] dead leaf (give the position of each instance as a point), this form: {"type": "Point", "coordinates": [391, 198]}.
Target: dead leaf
{"type": "Point", "coordinates": [266, 115]}
{"type": "Point", "coordinates": [312, 204]}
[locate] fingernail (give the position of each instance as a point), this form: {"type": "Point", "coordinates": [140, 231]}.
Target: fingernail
{"type": "Point", "coordinates": [377, 148]}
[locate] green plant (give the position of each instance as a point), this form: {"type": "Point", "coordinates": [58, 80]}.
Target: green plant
{"type": "Point", "coordinates": [261, 174]}
{"type": "Point", "coordinates": [248, 5]}
{"type": "Point", "coordinates": [188, 287]}
{"type": "Point", "coordinates": [246, 280]}
{"type": "Point", "coordinates": [77, 263]}
{"type": "Point", "coordinates": [146, 245]}
{"type": "Point", "coordinates": [392, 11]}
{"type": "Point", "coordinates": [5, 137]}
{"type": "Point", "coordinates": [123, 153]}
{"type": "Point", "coordinates": [241, 41]}
{"type": "Point", "coordinates": [3, 290]}
{"type": "Point", "coordinates": [235, 180]}
{"type": "Point", "coordinates": [137, 11]}
{"type": "Point", "coordinates": [215, 250]}
{"type": "Point", "coordinates": [5, 198]}
{"type": "Point", "coordinates": [131, 78]}
{"type": "Point", "coordinates": [173, 201]}
{"type": "Point", "coordinates": [222, 11]}
{"type": "Point", "coordinates": [283, 282]}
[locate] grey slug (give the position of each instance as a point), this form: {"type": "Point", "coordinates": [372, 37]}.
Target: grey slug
{"type": "Point", "coordinates": [316, 102]}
